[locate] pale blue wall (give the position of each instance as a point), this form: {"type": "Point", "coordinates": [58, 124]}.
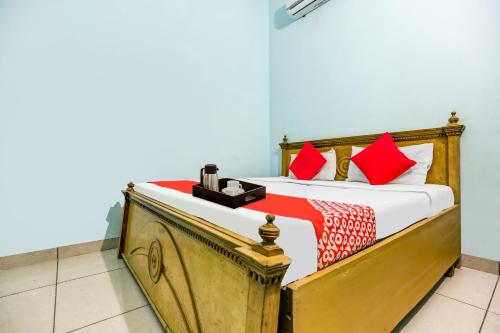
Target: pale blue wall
{"type": "Point", "coordinates": [96, 93]}
{"type": "Point", "coordinates": [364, 66]}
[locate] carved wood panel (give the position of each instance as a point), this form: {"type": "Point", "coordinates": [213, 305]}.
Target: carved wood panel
{"type": "Point", "coordinates": [446, 155]}
{"type": "Point", "coordinates": [194, 284]}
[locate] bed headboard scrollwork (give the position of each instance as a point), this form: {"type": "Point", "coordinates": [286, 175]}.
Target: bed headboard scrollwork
{"type": "Point", "coordinates": [445, 168]}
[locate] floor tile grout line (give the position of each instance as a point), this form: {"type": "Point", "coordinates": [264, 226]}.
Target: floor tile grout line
{"type": "Point", "coordinates": [100, 321]}
{"type": "Point", "coordinates": [55, 293]}
{"type": "Point", "coordinates": [493, 295]}
{"type": "Point", "coordinates": [477, 307]}
{"type": "Point", "coordinates": [54, 284]}
{"type": "Point", "coordinates": [82, 277]}
{"type": "Point", "coordinates": [489, 304]}
{"type": "Point", "coordinates": [25, 291]}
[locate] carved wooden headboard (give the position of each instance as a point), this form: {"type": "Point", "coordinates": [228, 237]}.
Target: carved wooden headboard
{"type": "Point", "coordinates": [445, 167]}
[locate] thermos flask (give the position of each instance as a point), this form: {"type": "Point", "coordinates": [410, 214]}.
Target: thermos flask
{"type": "Point", "coordinates": [209, 178]}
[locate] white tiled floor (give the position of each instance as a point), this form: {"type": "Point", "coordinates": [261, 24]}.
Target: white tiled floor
{"type": "Point", "coordinates": [491, 323]}
{"type": "Point", "coordinates": [96, 297]}
{"type": "Point", "coordinates": [90, 293]}
{"type": "Point", "coordinates": [28, 277]}
{"type": "Point", "coordinates": [462, 303]}
{"type": "Point", "coordinates": [30, 311]}
{"type": "Point", "coordinates": [89, 264]}
{"type": "Point", "coordinates": [95, 293]}
{"type": "Point", "coordinates": [469, 286]}
{"type": "Point", "coordinates": [443, 314]}
{"type": "Point", "coordinates": [495, 302]}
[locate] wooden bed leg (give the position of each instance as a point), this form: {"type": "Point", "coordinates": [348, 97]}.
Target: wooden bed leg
{"type": "Point", "coordinates": [451, 271]}
{"type": "Point", "coordinates": [130, 187]}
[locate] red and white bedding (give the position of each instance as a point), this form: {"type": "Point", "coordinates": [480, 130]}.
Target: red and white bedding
{"type": "Point", "coordinates": [320, 221]}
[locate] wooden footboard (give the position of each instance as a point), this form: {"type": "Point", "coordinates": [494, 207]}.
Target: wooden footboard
{"type": "Point", "coordinates": [199, 277]}
{"type": "Point", "coordinates": [373, 290]}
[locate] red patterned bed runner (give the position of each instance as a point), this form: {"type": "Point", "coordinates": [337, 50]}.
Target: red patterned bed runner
{"type": "Point", "coordinates": [341, 229]}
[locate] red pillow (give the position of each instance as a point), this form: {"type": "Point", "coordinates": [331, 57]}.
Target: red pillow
{"type": "Point", "coordinates": [307, 163]}
{"type": "Point", "coordinates": [382, 161]}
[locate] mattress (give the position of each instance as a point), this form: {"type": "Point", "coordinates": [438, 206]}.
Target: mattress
{"type": "Point", "coordinates": [396, 207]}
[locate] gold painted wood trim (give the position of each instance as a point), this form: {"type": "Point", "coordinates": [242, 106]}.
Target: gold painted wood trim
{"type": "Point", "coordinates": [381, 244]}
{"type": "Point", "coordinates": [374, 289]}
{"type": "Point", "coordinates": [236, 247]}
{"type": "Point", "coordinates": [130, 188]}
{"type": "Point", "coordinates": [414, 135]}
{"type": "Point", "coordinates": [444, 170]}
{"type": "Point", "coordinates": [251, 271]}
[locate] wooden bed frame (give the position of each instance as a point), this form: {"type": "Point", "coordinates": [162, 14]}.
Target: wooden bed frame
{"type": "Point", "coordinates": [199, 277]}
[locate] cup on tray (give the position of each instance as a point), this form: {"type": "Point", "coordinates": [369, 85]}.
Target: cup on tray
{"type": "Point", "coordinates": [233, 188]}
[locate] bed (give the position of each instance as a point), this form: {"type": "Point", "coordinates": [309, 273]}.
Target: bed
{"type": "Point", "coordinates": [201, 274]}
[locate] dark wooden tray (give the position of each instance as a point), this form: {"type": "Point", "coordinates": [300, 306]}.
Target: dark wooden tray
{"type": "Point", "coordinates": [252, 193]}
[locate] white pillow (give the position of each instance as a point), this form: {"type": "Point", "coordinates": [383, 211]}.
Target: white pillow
{"type": "Point", "coordinates": [328, 170]}
{"type": "Point", "coordinates": [416, 175]}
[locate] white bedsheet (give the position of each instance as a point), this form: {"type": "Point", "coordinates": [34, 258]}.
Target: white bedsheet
{"type": "Point", "coordinates": [396, 207]}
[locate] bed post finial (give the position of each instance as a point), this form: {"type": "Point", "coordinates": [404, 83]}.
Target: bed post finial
{"type": "Point", "coordinates": [285, 139]}
{"type": "Point", "coordinates": [453, 120]}
{"type": "Point", "coordinates": [269, 233]}
{"type": "Point", "coordinates": [130, 186]}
